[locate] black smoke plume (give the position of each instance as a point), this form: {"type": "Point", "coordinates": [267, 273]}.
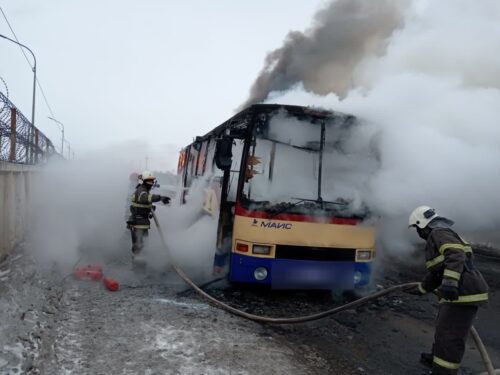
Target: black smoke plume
{"type": "Point", "coordinates": [325, 56]}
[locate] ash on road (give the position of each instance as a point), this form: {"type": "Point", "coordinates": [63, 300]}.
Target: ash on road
{"type": "Point", "coordinates": [56, 325]}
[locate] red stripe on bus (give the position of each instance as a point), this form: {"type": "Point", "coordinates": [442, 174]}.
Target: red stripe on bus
{"type": "Point", "coordinates": [296, 217]}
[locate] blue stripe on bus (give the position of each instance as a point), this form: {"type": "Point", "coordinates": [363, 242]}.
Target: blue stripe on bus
{"type": "Point", "coordinates": [299, 274]}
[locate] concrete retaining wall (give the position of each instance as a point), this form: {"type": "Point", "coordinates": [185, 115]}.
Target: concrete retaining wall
{"type": "Point", "coordinates": [15, 182]}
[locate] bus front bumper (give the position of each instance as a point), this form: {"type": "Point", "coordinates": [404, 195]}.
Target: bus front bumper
{"type": "Point", "coordinates": [299, 274]}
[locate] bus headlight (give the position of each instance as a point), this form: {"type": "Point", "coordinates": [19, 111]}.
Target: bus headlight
{"type": "Point", "coordinates": [363, 255]}
{"type": "Point", "coordinates": [261, 249]}
{"type": "Point", "coordinates": [260, 273]}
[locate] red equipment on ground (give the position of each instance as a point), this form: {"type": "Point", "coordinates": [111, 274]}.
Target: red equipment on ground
{"type": "Point", "coordinates": [111, 284]}
{"type": "Point", "coordinates": [94, 272]}
{"type": "Point", "coordinates": [89, 272]}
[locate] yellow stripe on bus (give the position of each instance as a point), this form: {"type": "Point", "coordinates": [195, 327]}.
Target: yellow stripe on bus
{"type": "Point", "coordinates": [298, 233]}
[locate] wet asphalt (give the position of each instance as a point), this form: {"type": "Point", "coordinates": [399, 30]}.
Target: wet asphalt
{"type": "Point", "coordinates": [52, 323]}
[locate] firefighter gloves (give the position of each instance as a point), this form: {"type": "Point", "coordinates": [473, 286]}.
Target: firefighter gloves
{"type": "Point", "coordinates": [449, 289]}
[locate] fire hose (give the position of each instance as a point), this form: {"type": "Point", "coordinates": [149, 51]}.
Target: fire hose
{"type": "Point", "coordinates": [307, 318]}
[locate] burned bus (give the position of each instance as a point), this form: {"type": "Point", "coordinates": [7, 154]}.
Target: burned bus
{"type": "Point", "coordinates": [285, 214]}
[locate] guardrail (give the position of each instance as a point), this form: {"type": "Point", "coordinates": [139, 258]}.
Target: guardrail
{"type": "Point", "coordinates": [20, 141]}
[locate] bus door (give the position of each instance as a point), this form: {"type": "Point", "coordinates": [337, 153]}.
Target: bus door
{"type": "Point", "coordinates": [228, 156]}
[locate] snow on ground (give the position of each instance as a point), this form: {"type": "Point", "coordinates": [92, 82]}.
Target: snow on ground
{"type": "Point", "coordinates": [67, 326]}
{"type": "Point", "coordinates": [56, 325]}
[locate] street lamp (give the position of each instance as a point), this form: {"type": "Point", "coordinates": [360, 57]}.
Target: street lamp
{"type": "Point", "coordinates": [34, 76]}
{"type": "Point", "coordinates": [28, 156]}
{"type": "Point", "coordinates": [62, 131]}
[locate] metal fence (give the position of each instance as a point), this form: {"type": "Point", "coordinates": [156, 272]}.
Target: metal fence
{"type": "Point", "coordinates": [20, 141]}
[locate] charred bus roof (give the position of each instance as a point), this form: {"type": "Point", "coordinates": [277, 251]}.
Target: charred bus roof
{"type": "Point", "coordinates": [260, 112]}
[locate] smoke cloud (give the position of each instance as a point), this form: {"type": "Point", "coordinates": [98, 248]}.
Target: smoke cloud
{"type": "Point", "coordinates": [422, 77]}
{"type": "Point", "coordinates": [78, 207]}
{"type": "Point", "coordinates": [79, 210]}
{"type": "Point", "coordinates": [325, 57]}
{"type": "Point", "coordinates": [430, 101]}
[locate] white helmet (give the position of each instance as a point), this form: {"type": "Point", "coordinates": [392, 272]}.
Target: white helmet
{"type": "Point", "coordinates": [422, 216]}
{"type": "Point", "coordinates": [147, 175]}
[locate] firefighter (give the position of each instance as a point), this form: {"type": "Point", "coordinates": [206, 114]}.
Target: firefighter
{"type": "Point", "coordinates": [140, 210]}
{"type": "Point", "coordinates": [457, 282]}
{"type": "Point", "coordinates": [133, 178]}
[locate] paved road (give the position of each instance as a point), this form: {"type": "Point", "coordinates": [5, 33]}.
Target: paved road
{"type": "Point", "coordinates": [78, 327]}
{"type": "Point", "coordinates": [52, 325]}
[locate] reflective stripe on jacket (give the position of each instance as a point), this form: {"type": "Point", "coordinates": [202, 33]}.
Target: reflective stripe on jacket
{"type": "Point", "coordinates": [448, 256]}
{"type": "Point", "coordinates": [140, 207]}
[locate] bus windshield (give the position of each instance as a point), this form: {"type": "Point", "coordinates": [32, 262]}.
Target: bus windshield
{"type": "Point", "coordinates": [297, 166]}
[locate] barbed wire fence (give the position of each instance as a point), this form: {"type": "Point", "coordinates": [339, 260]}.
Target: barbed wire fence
{"type": "Point", "coordinates": [20, 141]}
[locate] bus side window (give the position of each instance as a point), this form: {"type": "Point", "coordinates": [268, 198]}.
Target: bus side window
{"type": "Point", "coordinates": [191, 165]}
{"type": "Point", "coordinates": [182, 171]}
{"type": "Point", "coordinates": [235, 169]}
{"type": "Point", "coordinates": [210, 166]}
{"type": "Point", "coordinates": [202, 159]}
{"type": "Point", "coordinates": [193, 161]}
{"type": "Point", "coordinates": [181, 165]}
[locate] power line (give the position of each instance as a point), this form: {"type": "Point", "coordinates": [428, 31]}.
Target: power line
{"type": "Point", "coordinates": [15, 37]}
{"type": "Point", "coordinates": [44, 97]}
{"type": "Point", "coordinates": [29, 63]}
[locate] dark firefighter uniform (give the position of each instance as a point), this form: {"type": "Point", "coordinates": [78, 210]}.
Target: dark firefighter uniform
{"type": "Point", "coordinates": [140, 214]}
{"type": "Point", "coordinates": [449, 262]}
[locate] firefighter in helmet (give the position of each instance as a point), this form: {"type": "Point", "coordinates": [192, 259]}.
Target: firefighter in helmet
{"type": "Point", "coordinates": [457, 282]}
{"type": "Point", "coordinates": [133, 178]}
{"type": "Point", "coordinates": [140, 210]}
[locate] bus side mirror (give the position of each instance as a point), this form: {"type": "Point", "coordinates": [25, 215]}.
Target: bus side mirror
{"type": "Point", "coordinates": [223, 154]}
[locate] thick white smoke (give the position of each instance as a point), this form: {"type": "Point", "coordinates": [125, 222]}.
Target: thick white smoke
{"type": "Point", "coordinates": [294, 164]}
{"type": "Point", "coordinates": [78, 207]}
{"type": "Point", "coordinates": [79, 210]}
{"type": "Point", "coordinates": [190, 234]}
{"type": "Point", "coordinates": [432, 104]}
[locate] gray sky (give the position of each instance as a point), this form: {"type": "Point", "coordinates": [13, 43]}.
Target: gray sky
{"type": "Point", "coordinates": [152, 73]}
